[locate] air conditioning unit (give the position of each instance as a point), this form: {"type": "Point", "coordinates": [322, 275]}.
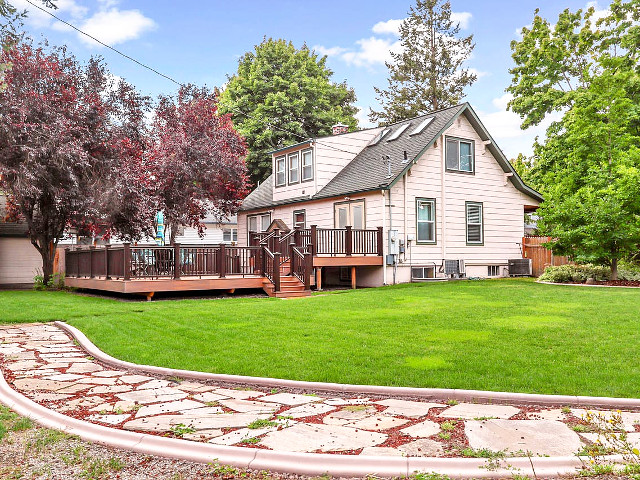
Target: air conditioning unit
{"type": "Point", "coordinates": [520, 267]}
{"type": "Point", "coordinates": [454, 268]}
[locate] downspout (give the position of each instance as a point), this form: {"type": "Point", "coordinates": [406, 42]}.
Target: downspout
{"type": "Point", "coordinates": [384, 220]}
{"type": "Point", "coordinates": [443, 200]}
{"type": "Point", "coordinates": [395, 257]}
{"type": "Point", "coordinates": [404, 213]}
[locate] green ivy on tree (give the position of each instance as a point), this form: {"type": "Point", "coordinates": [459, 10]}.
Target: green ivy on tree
{"type": "Point", "coordinates": [588, 168]}
{"type": "Point", "coordinates": [427, 74]}
{"type": "Point", "coordinates": [282, 95]}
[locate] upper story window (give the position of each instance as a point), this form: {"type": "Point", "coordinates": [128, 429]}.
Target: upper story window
{"type": "Point", "coordinates": [294, 167]}
{"type": "Point", "coordinates": [281, 173]}
{"type": "Point", "coordinates": [307, 165]}
{"type": "Point", "coordinates": [459, 155]}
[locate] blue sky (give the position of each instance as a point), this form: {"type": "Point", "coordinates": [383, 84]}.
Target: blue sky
{"type": "Point", "coordinates": [201, 41]}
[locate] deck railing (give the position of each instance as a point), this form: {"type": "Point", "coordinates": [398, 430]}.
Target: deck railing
{"type": "Point", "coordinates": [271, 267]}
{"type": "Point", "coordinates": [150, 261]}
{"type": "Point", "coordinates": [302, 266]}
{"type": "Point", "coordinates": [322, 241]}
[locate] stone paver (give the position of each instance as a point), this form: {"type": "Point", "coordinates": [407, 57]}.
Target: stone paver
{"type": "Point", "coordinates": [326, 438]}
{"type": "Point", "coordinates": [540, 437]}
{"type": "Point", "coordinates": [629, 419]}
{"type": "Point", "coordinates": [290, 399]}
{"type": "Point", "coordinates": [473, 411]}
{"type": "Point", "coordinates": [422, 448]}
{"type": "Point", "coordinates": [237, 436]}
{"type": "Point", "coordinates": [422, 429]}
{"type": "Point", "coordinates": [164, 423]}
{"type": "Point", "coordinates": [83, 368]}
{"type": "Point", "coordinates": [408, 408]}
{"type": "Point", "coordinates": [134, 379]}
{"type": "Point", "coordinates": [379, 422]}
{"type": "Point", "coordinates": [247, 406]}
{"type": "Point", "coordinates": [347, 415]}
{"type": "Point", "coordinates": [239, 394]}
{"type": "Point", "coordinates": [551, 414]}
{"type": "Point", "coordinates": [168, 407]}
{"type": "Point", "coordinates": [308, 410]}
{"type": "Point", "coordinates": [110, 419]}
{"type": "Point", "coordinates": [206, 396]}
{"type": "Point", "coordinates": [153, 395]}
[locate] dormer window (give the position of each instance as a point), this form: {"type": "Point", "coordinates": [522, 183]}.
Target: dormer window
{"type": "Point", "coordinates": [281, 172]}
{"type": "Point", "coordinates": [294, 168]}
{"type": "Point", "coordinates": [307, 165]}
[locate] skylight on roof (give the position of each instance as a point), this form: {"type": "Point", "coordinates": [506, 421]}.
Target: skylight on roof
{"type": "Point", "coordinates": [379, 137]}
{"type": "Point", "coordinates": [398, 132]}
{"type": "Point", "coordinates": [422, 126]}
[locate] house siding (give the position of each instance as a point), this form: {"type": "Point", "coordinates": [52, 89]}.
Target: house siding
{"type": "Point", "coordinates": [19, 262]}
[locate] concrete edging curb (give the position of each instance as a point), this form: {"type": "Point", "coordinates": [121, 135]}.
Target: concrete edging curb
{"type": "Point", "coordinates": [284, 462]}
{"type": "Point", "coordinates": [478, 396]}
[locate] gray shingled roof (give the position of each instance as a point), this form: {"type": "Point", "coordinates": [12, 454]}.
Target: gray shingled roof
{"type": "Point", "coordinates": [368, 171]}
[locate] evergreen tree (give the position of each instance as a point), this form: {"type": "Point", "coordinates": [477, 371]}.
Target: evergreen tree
{"type": "Point", "coordinates": [281, 95]}
{"type": "Point", "coordinates": [427, 74]}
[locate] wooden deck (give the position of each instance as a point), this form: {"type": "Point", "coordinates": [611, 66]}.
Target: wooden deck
{"type": "Point", "coordinates": [282, 264]}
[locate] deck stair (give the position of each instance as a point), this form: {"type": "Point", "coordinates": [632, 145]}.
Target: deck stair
{"type": "Point", "coordinates": [290, 286]}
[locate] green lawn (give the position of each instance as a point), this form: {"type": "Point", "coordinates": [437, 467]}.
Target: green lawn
{"type": "Point", "coordinates": [512, 335]}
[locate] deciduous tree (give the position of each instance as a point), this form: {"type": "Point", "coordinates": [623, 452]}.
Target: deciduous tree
{"type": "Point", "coordinates": [427, 74]}
{"type": "Point", "coordinates": [588, 168]}
{"type": "Point", "coordinates": [70, 141]}
{"type": "Point", "coordinates": [282, 95]}
{"type": "Point", "coordinates": [199, 159]}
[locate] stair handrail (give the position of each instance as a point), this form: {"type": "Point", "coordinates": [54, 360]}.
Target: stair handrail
{"type": "Point", "coordinates": [301, 266]}
{"type": "Point", "coordinates": [271, 267]}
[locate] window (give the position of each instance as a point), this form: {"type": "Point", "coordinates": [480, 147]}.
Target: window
{"type": "Point", "coordinates": [423, 273]}
{"type": "Point", "coordinates": [459, 155]}
{"type": "Point", "coordinates": [426, 220]}
{"type": "Point", "coordinates": [281, 178]}
{"type": "Point", "coordinates": [299, 219]}
{"type": "Point", "coordinates": [398, 132]}
{"type": "Point", "coordinates": [379, 137]}
{"type": "Point", "coordinates": [230, 235]}
{"type": "Point", "coordinates": [475, 234]}
{"type": "Point", "coordinates": [259, 223]}
{"type": "Point", "coordinates": [349, 214]}
{"type": "Point", "coordinates": [422, 126]}
{"type": "Point", "coordinates": [294, 168]}
{"type": "Point", "coordinates": [493, 270]}
{"type": "Point", "coordinates": [307, 165]}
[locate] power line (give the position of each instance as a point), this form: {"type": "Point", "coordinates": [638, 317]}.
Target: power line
{"type": "Point", "coordinates": [105, 45]}
{"type": "Point", "coordinates": [143, 65]}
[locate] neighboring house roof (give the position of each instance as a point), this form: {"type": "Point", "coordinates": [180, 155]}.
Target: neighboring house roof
{"type": "Point", "coordinates": [11, 229]}
{"type": "Point", "coordinates": [368, 171]}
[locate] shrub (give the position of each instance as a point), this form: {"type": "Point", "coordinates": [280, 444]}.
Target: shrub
{"type": "Point", "coordinates": [56, 282]}
{"type": "Point", "coordinates": [575, 273]}
{"type": "Point", "coordinates": [629, 271]}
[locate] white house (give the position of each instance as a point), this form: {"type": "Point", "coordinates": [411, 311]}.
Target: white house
{"type": "Point", "coordinates": [437, 185]}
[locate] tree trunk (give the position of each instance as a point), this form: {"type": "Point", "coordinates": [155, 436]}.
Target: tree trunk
{"type": "Point", "coordinates": [614, 269]}
{"type": "Point", "coordinates": [174, 232]}
{"type": "Point", "coordinates": [47, 252]}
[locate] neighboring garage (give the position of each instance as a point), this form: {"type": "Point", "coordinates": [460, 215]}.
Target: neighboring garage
{"type": "Point", "coordinates": [19, 260]}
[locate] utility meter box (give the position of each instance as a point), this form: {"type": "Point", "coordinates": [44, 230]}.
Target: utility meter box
{"type": "Point", "coordinates": [393, 242]}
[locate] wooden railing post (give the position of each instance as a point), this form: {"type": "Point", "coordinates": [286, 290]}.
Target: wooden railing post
{"type": "Point", "coordinates": [380, 242]}
{"type": "Point", "coordinates": [66, 261]}
{"type": "Point", "coordinates": [106, 262]}
{"type": "Point", "coordinates": [276, 271]}
{"type": "Point", "coordinates": [176, 261]}
{"type": "Point", "coordinates": [127, 261]}
{"type": "Point", "coordinates": [308, 269]}
{"type": "Point", "coordinates": [314, 239]}
{"type": "Point", "coordinates": [348, 241]}
{"type": "Point", "coordinates": [92, 249]}
{"type": "Point", "coordinates": [296, 237]}
{"type": "Point", "coordinates": [223, 260]}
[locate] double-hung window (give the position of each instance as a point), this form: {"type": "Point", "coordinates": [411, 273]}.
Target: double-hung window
{"type": "Point", "coordinates": [307, 165]}
{"type": "Point", "coordinates": [281, 171]}
{"type": "Point", "coordinates": [475, 227]}
{"type": "Point", "coordinates": [258, 223]}
{"type": "Point", "coordinates": [230, 235]}
{"type": "Point", "coordinates": [294, 167]}
{"type": "Point", "coordinates": [426, 220]}
{"type": "Point", "coordinates": [299, 219]}
{"type": "Point", "coordinates": [459, 155]}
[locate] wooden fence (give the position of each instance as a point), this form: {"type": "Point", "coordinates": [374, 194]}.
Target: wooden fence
{"type": "Point", "coordinates": [541, 257]}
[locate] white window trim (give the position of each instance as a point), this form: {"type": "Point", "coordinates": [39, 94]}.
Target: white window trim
{"type": "Point", "coordinates": [282, 158]}
{"type": "Point", "coordinates": [302, 177]}
{"type": "Point", "coordinates": [291, 156]}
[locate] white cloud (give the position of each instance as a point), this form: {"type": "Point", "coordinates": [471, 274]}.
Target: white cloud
{"type": "Point", "coordinates": [108, 24]}
{"type": "Point", "coordinates": [389, 27]}
{"type": "Point", "coordinates": [372, 51]}
{"type": "Point", "coordinates": [329, 51]}
{"type": "Point", "coordinates": [598, 12]}
{"type": "Point", "coordinates": [463, 18]}
{"type": "Point", "coordinates": [116, 26]}
{"type": "Point", "coordinates": [363, 118]}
